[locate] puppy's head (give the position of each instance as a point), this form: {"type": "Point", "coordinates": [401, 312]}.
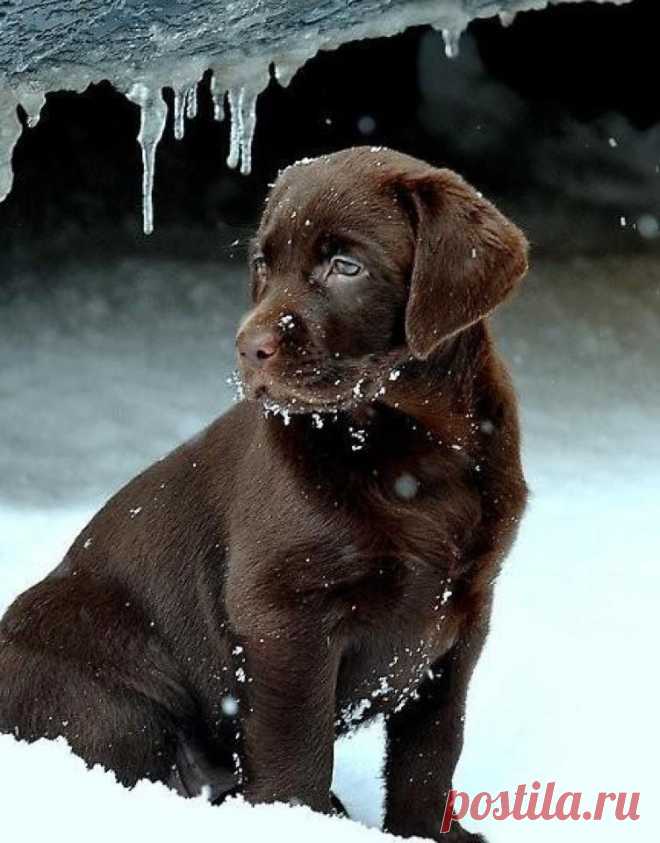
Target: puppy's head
{"type": "Point", "coordinates": [363, 258]}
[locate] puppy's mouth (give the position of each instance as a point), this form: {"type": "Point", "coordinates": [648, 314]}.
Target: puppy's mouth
{"type": "Point", "coordinates": [339, 386]}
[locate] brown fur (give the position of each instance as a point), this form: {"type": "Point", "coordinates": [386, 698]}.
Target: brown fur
{"type": "Point", "coordinates": [305, 564]}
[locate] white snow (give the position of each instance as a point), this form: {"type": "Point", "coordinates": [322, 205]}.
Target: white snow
{"type": "Point", "coordinates": [48, 794]}
{"type": "Point", "coordinates": [286, 322]}
{"type": "Point", "coordinates": [567, 688]}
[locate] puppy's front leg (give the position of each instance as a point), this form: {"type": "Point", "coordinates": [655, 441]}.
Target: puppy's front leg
{"type": "Point", "coordinates": [288, 728]}
{"type": "Point", "coordinates": [424, 743]}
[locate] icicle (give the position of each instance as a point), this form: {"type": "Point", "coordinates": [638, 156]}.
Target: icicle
{"type": "Point", "coordinates": [179, 112]}
{"type": "Point", "coordinates": [234, 136]}
{"type": "Point", "coordinates": [507, 18]}
{"type": "Point", "coordinates": [243, 107]}
{"type": "Point", "coordinates": [153, 116]}
{"type": "Point", "coordinates": [33, 102]}
{"type": "Point", "coordinates": [287, 64]}
{"type": "Point", "coordinates": [10, 131]}
{"type": "Point", "coordinates": [248, 114]}
{"type": "Point", "coordinates": [452, 39]}
{"type": "Point", "coordinates": [218, 96]}
{"type": "Point", "coordinates": [191, 102]}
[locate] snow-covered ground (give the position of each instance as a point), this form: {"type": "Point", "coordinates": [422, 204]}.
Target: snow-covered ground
{"type": "Point", "coordinates": [103, 369]}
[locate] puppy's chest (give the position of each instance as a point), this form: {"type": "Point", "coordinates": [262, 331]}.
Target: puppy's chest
{"type": "Point", "coordinates": [383, 674]}
{"type": "Point", "coordinates": [401, 607]}
{"type": "Point", "coordinates": [387, 560]}
{"type": "Point", "coordinates": [410, 519]}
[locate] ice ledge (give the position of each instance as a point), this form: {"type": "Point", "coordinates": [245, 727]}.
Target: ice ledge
{"type": "Point", "coordinates": [142, 46]}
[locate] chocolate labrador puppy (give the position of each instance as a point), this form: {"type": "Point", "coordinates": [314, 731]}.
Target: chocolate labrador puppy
{"type": "Point", "coordinates": [325, 551]}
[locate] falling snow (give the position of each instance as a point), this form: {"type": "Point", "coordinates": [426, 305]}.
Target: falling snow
{"type": "Point", "coordinates": [406, 486]}
{"type": "Point", "coordinates": [229, 706]}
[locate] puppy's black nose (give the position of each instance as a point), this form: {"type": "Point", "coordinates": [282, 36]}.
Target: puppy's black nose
{"type": "Point", "coordinates": [257, 348]}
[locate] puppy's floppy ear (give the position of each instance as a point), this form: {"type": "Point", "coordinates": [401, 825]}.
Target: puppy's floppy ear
{"type": "Point", "coordinates": [468, 257]}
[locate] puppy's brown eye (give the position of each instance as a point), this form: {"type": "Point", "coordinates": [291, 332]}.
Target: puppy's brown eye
{"type": "Point", "coordinates": [345, 266]}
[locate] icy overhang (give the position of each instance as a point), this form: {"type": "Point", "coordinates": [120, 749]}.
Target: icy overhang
{"type": "Point", "coordinates": [142, 46]}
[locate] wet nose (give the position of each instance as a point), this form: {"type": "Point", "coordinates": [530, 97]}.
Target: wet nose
{"type": "Point", "coordinates": [257, 348]}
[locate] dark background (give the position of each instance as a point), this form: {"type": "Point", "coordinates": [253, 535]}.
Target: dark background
{"type": "Point", "coordinates": [525, 112]}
